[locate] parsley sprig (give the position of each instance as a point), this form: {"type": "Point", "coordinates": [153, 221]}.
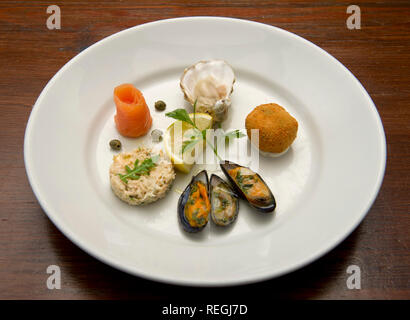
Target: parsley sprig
{"type": "Point", "coordinates": [181, 114]}
{"type": "Point", "coordinates": [197, 135]}
{"type": "Point", "coordinates": [139, 170]}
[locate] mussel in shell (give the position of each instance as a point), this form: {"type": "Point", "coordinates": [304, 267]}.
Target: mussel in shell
{"type": "Point", "coordinates": [250, 186]}
{"type": "Point", "coordinates": [194, 206]}
{"type": "Point", "coordinates": [224, 202]}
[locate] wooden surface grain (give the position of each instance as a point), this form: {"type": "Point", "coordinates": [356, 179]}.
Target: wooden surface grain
{"type": "Point", "coordinates": [378, 55]}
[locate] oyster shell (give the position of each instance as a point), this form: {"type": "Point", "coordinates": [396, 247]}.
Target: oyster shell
{"type": "Point", "coordinates": [224, 202]}
{"type": "Point", "coordinates": [250, 186]}
{"type": "Point", "coordinates": [210, 84]}
{"type": "Point", "coordinates": [193, 205]}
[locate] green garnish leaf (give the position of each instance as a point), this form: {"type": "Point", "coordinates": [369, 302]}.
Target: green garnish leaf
{"type": "Point", "coordinates": [233, 134]}
{"type": "Point", "coordinates": [180, 114]}
{"type": "Point", "coordinates": [139, 169]}
{"type": "Point", "coordinates": [203, 132]}
{"type": "Point", "coordinates": [189, 144]}
{"type": "Point", "coordinates": [194, 136]}
{"type": "Point", "coordinates": [195, 109]}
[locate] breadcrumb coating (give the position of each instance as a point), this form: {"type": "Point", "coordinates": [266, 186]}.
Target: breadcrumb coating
{"type": "Point", "coordinates": [277, 128]}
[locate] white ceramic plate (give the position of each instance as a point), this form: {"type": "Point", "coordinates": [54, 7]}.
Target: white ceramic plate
{"type": "Point", "coordinates": [324, 185]}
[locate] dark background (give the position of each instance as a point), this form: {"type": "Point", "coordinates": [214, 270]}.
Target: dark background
{"type": "Point", "coordinates": [378, 55]}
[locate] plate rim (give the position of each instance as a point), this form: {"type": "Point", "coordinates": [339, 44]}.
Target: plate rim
{"type": "Point", "coordinates": [164, 279]}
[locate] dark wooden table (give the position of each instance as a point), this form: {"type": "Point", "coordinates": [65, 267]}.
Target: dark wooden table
{"type": "Point", "coordinates": [378, 55]}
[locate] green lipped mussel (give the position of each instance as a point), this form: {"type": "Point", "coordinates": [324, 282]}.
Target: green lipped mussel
{"type": "Point", "coordinates": [249, 186]}
{"type": "Point", "coordinates": [194, 205]}
{"type": "Point", "coordinates": [224, 202]}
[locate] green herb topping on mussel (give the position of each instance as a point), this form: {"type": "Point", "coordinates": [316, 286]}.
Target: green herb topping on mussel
{"type": "Point", "coordinates": [224, 202]}
{"type": "Point", "coordinates": [249, 186]}
{"type": "Point", "coordinates": [194, 206]}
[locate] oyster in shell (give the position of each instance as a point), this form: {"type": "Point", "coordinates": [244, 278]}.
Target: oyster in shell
{"type": "Point", "coordinates": [210, 84]}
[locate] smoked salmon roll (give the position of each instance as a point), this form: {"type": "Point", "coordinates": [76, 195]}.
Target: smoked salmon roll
{"type": "Point", "coordinates": [133, 118]}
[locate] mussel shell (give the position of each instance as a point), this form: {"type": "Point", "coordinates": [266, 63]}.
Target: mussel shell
{"type": "Point", "coordinates": [267, 207]}
{"type": "Point", "coordinates": [217, 181]}
{"type": "Point", "coordinates": [203, 177]}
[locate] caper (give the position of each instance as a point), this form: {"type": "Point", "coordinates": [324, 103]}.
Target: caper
{"type": "Point", "coordinates": [160, 105]}
{"type": "Point", "coordinates": [156, 135]}
{"type": "Point", "coordinates": [115, 144]}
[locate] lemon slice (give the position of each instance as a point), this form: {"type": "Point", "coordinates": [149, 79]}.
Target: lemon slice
{"type": "Point", "coordinates": [203, 121]}
{"type": "Point", "coordinates": [175, 136]}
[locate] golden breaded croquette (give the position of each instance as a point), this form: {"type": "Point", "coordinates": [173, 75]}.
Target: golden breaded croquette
{"type": "Point", "coordinates": [277, 128]}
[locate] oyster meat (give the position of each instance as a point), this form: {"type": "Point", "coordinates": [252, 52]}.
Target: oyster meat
{"type": "Point", "coordinates": [210, 85]}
